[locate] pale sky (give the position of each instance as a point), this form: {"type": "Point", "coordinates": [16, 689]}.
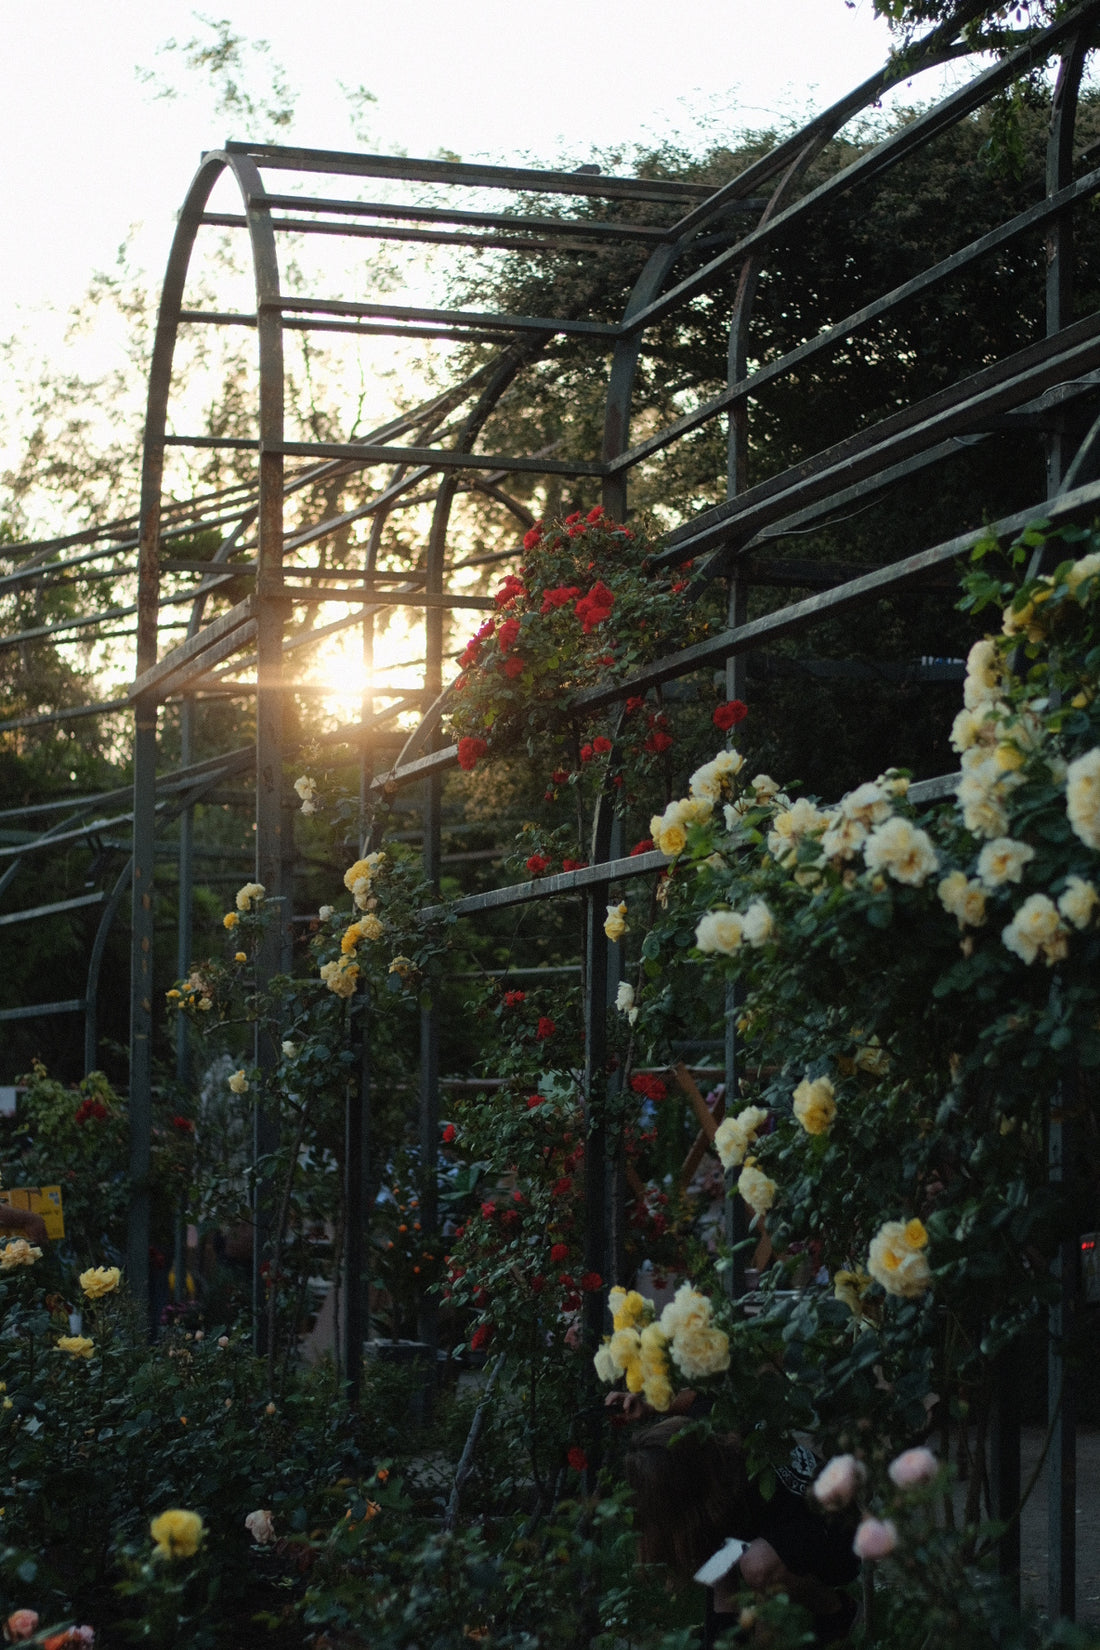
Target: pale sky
{"type": "Point", "coordinates": [91, 154]}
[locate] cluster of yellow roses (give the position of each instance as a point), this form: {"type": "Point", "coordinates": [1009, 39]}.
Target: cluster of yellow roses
{"type": "Point", "coordinates": [640, 1348]}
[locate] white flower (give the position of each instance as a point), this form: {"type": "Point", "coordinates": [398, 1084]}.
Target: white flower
{"type": "Point", "coordinates": [963, 899]}
{"type": "Point", "coordinates": [981, 792]}
{"type": "Point", "coordinates": [1079, 900]}
{"type": "Point", "coordinates": [764, 787]}
{"type": "Point", "coordinates": [757, 924]}
{"type": "Point", "coordinates": [1036, 927]}
{"type": "Point", "coordinates": [734, 1135]}
{"type": "Point", "coordinates": [792, 826]}
{"type": "Point", "coordinates": [624, 997]}
{"type": "Point", "coordinates": [252, 893]}
{"type": "Point", "coordinates": [875, 1538]}
{"type": "Point", "coordinates": [983, 674]}
{"type": "Point", "coordinates": [720, 931]}
{"type": "Point", "coordinates": [893, 782]}
{"type": "Point", "coordinates": [1086, 568]}
{"type": "Point", "coordinates": [709, 781]}
{"type": "Point", "coordinates": [307, 790]}
{"type": "Point", "coordinates": [844, 839]}
{"type": "Point", "coordinates": [239, 1083]}
{"type": "Point", "coordinates": [699, 1352]}
{"type": "Point", "coordinates": [290, 1051]}
{"type": "Point", "coordinates": [607, 1369]}
{"type": "Point", "coordinates": [1083, 797]}
{"type": "Point", "coordinates": [1003, 860]}
{"type": "Point", "coordinates": [901, 849]}
{"type": "Point", "coordinates": [326, 912]}
{"type": "Point", "coordinates": [868, 803]}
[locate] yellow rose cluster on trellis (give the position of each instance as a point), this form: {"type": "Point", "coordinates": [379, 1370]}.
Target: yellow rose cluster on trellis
{"type": "Point", "coordinates": [640, 1349]}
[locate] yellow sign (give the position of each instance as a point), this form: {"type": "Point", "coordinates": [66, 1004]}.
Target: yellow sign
{"type": "Point", "coordinates": [40, 1200]}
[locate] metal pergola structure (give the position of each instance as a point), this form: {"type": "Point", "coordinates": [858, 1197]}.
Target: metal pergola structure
{"type": "Point", "coordinates": [700, 237]}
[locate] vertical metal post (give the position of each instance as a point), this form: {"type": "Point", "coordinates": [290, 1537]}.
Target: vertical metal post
{"type": "Point", "coordinates": [1059, 238]}
{"type": "Point", "coordinates": [141, 997]}
{"type": "Point", "coordinates": [356, 1238]}
{"type": "Point", "coordinates": [428, 1316]}
{"type": "Point", "coordinates": [1061, 1382]}
{"type": "Point", "coordinates": [183, 964]}
{"type": "Point", "coordinates": [1004, 1466]}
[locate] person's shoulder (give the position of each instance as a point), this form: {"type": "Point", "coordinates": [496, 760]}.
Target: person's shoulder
{"type": "Point", "coordinates": [798, 1472]}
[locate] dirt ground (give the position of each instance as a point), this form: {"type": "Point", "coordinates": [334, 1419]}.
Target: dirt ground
{"type": "Point", "coordinates": [1033, 1527]}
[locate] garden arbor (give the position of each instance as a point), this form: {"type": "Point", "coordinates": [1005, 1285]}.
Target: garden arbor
{"type": "Point", "coordinates": [688, 242]}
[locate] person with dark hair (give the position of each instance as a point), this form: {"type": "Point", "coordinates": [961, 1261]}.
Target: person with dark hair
{"type": "Point", "coordinates": [698, 1511]}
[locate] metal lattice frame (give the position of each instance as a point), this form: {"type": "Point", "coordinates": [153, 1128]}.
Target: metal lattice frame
{"type": "Point", "coordinates": [442, 440]}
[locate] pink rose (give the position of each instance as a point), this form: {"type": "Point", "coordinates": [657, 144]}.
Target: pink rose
{"type": "Point", "coordinates": [261, 1526]}
{"type": "Point", "coordinates": [838, 1482]}
{"type": "Point", "coordinates": [875, 1538]}
{"type": "Point", "coordinates": [913, 1467]}
{"type": "Point", "coordinates": [21, 1624]}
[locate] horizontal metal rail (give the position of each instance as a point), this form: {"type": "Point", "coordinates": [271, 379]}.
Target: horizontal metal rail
{"type": "Point", "coordinates": [487, 320]}
{"type": "Point", "coordinates": [954, 411]}
{"type": "Point", "coordinates": [430, 237]}
{"type": "Point", "coordinates": [210, 637]}
{"type": "Point", "coordinates": [564, 882]}
{"type": "Point", "coordinates": [408, 170]}
{"type": "Point", "coordinates": [582, 228]}
{"type": "Point", "coordinates": [52, 910]}
{"type": "Point", "coordinates": [869, 166]}
{"type": "Point", "coordinates": [744, 388]}
{"type": "Point", "coordinates": [42, 1011]}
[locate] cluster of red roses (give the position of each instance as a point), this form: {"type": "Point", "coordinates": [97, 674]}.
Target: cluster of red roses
{"type": "Point", "coordinates": [90, 1111]}
{"type": "Point", "coordinates": [517, 671]}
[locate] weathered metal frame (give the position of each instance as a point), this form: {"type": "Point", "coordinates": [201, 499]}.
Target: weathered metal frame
{"type": "Point", "coordinates": [1030, 385]}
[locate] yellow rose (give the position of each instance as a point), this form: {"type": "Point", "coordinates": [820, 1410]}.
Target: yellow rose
{"type": "Point", "coordinates": [100, 1280]}
{"type": "Point", "coordinates": [340, 976]}
{"type": "Point", "coordinates": [896, 1258]}
{"type": "Point", "coordinates": [177, 1533]}
{"type": "Point", "coordinates": [77, 1346]}
{"type": "Point", "coordinates": [18, 1252]}
{"type": "Point", "coordinates": [756, 1189]}
{"type": "Point", "coordinates": [230, 920]}
{"type": "Point", "coordinates": [615, 924]}
{"type": "Point", "coordinates": [814, 1105]}
{"type": "Point", "coordinates": [850, 1287]}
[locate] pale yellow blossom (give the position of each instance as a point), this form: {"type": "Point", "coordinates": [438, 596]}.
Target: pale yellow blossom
{"type": "Point", "coordinates": [815, 1105]}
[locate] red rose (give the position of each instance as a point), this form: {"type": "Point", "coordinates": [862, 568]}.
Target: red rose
{"type": "Point", "coordinates": [652, 1087]}
{"type": "Point", "coordinates": [481, 1337]}
{"type": "Point", "coordinates": [577, 1459]}
{"type": "Point", "coordinates": [488, 1210]}
{"type": "Point", "coordinates": [514, 666]}
{"type": "Point", "coordinates": [507, 634]}
{"type": "Point", "coordinates": [594, 515]}
{"type": "Point", "coordinates": [562, 1187]}
{"type": "Point", "coordinates": [591, 1282]}
{"type": "Point", "coordinates": [538, 1284]}
{"type": "Point", "coordinates": [537, 864]}
{"type": "Point", "coordinates": [634, 703]}
{"type": "Point", "coordinates": [559, 1252]}
{"type": "Point", "coordinates": [534, 1101]}
{"type": "Point", "coordinates": [509, 590]}
{"type": "Point", "coordinates": [594, 608]}
{"type": "Point", "coordinates": [606, 660]}
{"type": "Point", "coordinates": [560, 776]}
{"type": "Point", "coordinates": [728, 715]}
{"type": "Point", "coordinates": [532, 536]}
{"type": "Point", "coordinates": [681, 584]}
{"type": "Point", "coordinates": [448, 1134]}
{"type": "Point", "coordinates": [546, 1028]}
{"type": "Point", "coordinates": [183, 1124]}
{"type": "Point", "coordinates": [565, 1279]}
{"type": "Point", "coordinates": [569, 520]}
{"type": "Point", "coordinates": [601, 745]}
{"type": "Point", "coordinates": [586, 753]}
{"type": "Point", "coordinates": [512, 999]}
{"type": "Point", "coordinates": [560, 596]}
{"type": "Point", "coordinates": [645, 846]}
{"type": "Point", "coordinates": [573, 864]}
{"type": "Point", "coordinates": [658, 741]}
{"type": "Point", "coordinates": [470, 752]}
